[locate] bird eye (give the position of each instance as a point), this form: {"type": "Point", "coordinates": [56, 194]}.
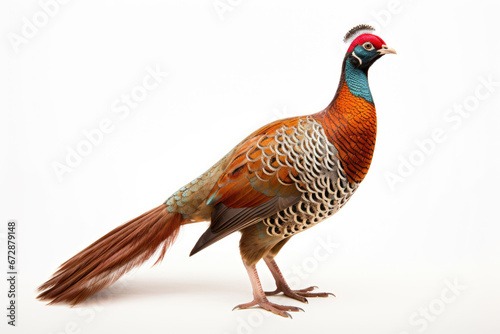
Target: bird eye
{"type": "Point", "coordinates": [368, 46]}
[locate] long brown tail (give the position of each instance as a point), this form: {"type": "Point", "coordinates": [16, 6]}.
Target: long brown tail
{"type": "Point", "coordinates": [102, 263]}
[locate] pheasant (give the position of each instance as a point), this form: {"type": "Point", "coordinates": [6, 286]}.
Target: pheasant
{"type": "Point", "coordinates": [281, 180]}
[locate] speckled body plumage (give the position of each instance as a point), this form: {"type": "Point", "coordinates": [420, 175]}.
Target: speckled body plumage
{"type": "Point", "coordinates": [279, 181]}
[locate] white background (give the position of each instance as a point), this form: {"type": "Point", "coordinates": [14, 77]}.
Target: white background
{"type": "Point", "coordinates": [229, 73]}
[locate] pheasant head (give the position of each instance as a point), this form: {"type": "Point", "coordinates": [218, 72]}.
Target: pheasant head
{"type": "Point", "coordinates": [365, 48]}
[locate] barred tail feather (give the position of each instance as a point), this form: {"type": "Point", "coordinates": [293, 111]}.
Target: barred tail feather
{"type": "Point", "coordinates": [106, 260]}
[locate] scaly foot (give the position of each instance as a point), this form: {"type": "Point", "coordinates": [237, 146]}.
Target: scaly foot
{"type": "Point", "coordinates": [299, 295]}
{"type": "Point", "coordinates": [271, 307]}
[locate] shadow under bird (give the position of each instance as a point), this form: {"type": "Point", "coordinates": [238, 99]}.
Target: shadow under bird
{"type": "Point", "coordinates": [281, 180]}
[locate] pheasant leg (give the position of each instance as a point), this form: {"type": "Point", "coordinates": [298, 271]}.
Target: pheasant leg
{"type": "Point", "coordinates": [260, 299]}
{"type": "Point", "coordinates": [282, 285]}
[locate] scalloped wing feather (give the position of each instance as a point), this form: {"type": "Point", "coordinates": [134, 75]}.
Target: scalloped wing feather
{"type": "Point", "coordinates": [257, 173]}
{"type": "Point", "coordinates": [259, 181]}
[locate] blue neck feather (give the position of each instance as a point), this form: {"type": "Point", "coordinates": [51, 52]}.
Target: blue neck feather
{"type": "Point", "coordinates": [357, 81]}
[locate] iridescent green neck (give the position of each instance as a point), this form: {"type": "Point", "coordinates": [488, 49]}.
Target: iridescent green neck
{"type": "Point", "coordinates": [357, 81]}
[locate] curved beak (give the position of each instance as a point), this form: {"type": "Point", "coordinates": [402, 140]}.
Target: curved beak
{"type": "Point", "coordinates": [386, 50]}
